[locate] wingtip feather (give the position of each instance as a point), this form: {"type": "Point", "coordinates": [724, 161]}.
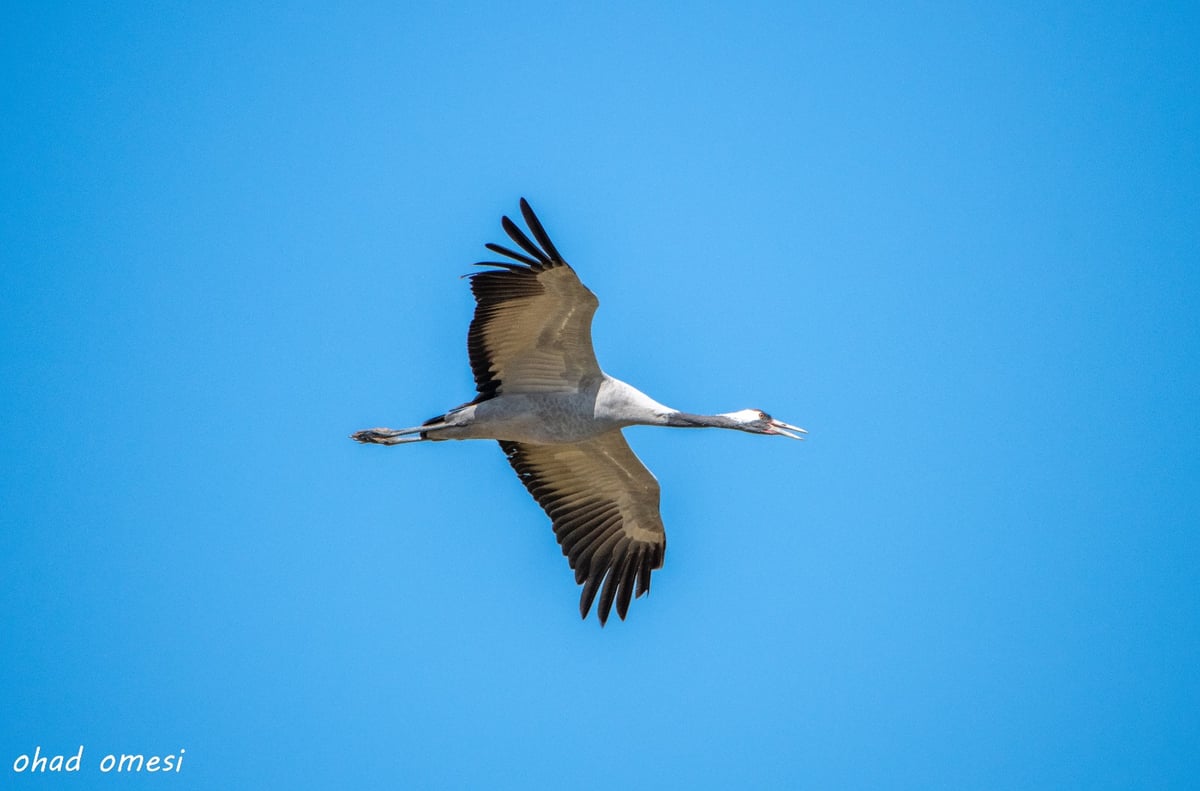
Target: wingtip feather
{"type": "Point", "coordinates": [517, 235]}
{"type": "Point", "coordinates": [539, 232]}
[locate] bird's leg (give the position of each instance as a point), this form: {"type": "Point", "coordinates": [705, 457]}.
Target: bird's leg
{"type": "Point", "coordinates": [387, 436]}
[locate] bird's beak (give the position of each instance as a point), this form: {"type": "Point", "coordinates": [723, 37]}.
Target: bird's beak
{"type": "Point", "coordinates": [786, 429]}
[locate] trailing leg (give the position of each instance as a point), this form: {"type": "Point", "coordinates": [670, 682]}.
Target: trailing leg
{"type": "Point", "coordinates": [388, 436]}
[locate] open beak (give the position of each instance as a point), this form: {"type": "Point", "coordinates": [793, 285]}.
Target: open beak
{"type": "Point", "coordinates": [786, 429]}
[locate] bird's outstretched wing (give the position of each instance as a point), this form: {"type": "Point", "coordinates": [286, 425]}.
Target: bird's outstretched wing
{"type": "Point", "coordinates": [604, 506]}
{"type": "Point", "coordinates": [532, 330]}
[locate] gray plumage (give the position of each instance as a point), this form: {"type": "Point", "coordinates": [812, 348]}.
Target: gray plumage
{"type": "Point", "coordinates": [558, 418]}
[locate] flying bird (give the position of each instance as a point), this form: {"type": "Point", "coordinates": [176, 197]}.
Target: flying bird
{"type": "Point", "coordinates": [558, 418]}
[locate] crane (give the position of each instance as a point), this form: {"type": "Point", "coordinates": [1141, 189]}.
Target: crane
{"type": "Point", "coordinates": [558, 418]}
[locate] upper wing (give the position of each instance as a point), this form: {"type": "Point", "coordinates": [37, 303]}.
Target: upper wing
{"type": "Point", "coordinates": [532, 330]}
{"type": "Point", "coordinates": [604, 506]}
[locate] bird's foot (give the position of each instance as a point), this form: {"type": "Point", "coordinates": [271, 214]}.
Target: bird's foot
{"type": "Point", "coordinates": [382, 436]}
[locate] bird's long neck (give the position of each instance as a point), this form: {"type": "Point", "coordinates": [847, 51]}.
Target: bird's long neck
{"type": "Point", "coordinates": [689, 420]}
{"type": "Point", "coordinates": [631, 407]}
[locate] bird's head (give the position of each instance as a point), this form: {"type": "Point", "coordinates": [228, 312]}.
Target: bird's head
{"type": "Point", "coordinates": [757, 421]}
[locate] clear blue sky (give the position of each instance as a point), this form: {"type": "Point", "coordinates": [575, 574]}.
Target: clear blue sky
{"type": "Point", "coordinates": [960, 243]}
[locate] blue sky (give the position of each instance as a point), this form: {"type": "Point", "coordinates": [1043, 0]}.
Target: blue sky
{"type": "Point", "coordinates": [957, 242]}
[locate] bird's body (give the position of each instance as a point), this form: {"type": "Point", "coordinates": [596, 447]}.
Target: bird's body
{"type": "Point", "coordinates": [601, 405]}
{"type": "Point", "coordinates": [558, 418]}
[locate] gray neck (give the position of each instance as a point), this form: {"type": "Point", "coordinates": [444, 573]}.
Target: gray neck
{"type": "Point", "coordinates": [688, 420]}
